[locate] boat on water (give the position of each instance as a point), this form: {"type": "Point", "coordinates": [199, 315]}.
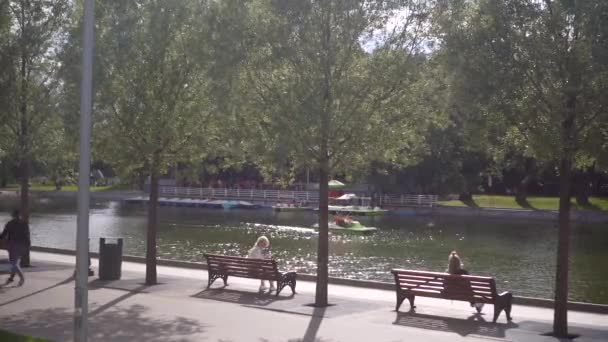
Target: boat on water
{"type": "Point", "coordinates": [195, 203]}
{"type": "Point", "coordinates": [352, 229]}
{"type": "Point", "coordinates": [239, 205]}
{"type": "Point", "coordinates": [346, 224]}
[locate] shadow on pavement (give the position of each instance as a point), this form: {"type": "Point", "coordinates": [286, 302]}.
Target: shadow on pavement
{"type": "Point", "coordinates": [117, 324]}
{"type": "Point", "coordinates": [115, 301]}
{"type": "Point", "coordinates": [475, 324]}
{"type": "Point", "coordinates": [38, 267]}
{"type": "Point", "coordinates": [313, 326]}
{"type": "Point", "coordinates": [63, 282]}
{"type": "Point", "coordinates": [239, 297]}
{"type": "Point", "coordinates": [587, 332]}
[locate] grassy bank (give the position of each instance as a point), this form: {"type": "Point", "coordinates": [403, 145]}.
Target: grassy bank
{"type": "Point", "coordinates": [534, 202]}
{"type": "Point", "coordinates": [6, 336]}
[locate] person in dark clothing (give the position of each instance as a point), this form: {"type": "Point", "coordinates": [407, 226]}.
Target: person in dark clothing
{"type": "Point", "coordinates": [17, 234]}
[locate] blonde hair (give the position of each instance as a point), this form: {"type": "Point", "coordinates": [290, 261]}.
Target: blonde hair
{"type": "Point", "coordinates": [454, 263]}
{"type": "Point", "coordinates": [260, 239]}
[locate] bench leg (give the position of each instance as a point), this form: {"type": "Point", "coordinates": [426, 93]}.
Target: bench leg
{"type": "Point", "coordinates": [225, 279]}
{"type": "Point", "coordinates": [213, 276]}
{"type": "Point", "coordinates": [286, 280]}
{"type": "Point", "coordinates": [292, 285]}
{"type": "Point", "coordinates": [280, 286]}
{"type": "Point", "coordinates": [503, 302]}
{"type": "Point", "coordinates": [400, 298]}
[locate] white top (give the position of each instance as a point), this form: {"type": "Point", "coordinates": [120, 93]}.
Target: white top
{"type": "Point", "coordinates": [256, 253]}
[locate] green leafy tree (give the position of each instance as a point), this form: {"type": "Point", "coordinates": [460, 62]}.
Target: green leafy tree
{"type": "Point", "coordinates": [59, 157]}
{"type": "Point", "coordinates": [30, 30]}
{"type": "Point", "coordinates": [540, 68]}
{"type": "Point", "coordinates": [150, 114]}
{"type": "Point", "coordinates": [327, 85]}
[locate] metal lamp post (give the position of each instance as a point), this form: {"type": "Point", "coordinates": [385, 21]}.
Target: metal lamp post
{"type": "Point", "coordinates": [84, 169]}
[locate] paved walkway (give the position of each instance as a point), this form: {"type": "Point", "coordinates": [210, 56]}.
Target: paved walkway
{"type": "Point", "coordinates": [181, 309]}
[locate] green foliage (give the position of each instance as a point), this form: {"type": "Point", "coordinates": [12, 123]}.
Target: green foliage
{"type": "Point", "coordinates": [30, 32]}
{"type": "Point", "coordinates": [150, 113]}
{"type": "Point", "coordinates": [516, 63]}
{"type": "Point", "coordinates": [314, 92]}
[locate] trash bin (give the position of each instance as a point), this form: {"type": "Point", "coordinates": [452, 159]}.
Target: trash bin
{"type": "Point", "coordinates": [110, 259]}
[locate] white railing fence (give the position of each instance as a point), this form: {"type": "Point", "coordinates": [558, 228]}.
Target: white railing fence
{"type": "Point", "coordinates": [391, 200]}
{"type": "Point", "coordinates": [240, 194]}
{"type": "Point", "coordinates": [255, 195]}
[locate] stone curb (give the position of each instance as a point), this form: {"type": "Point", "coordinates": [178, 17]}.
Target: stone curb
{"type": "Point", "coordinates": [528, 301]}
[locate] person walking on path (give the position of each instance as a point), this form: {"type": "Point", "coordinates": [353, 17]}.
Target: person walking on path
{"type": "Point", "coordinates": [17, 235]}
{"type": "Point", "coordinates": [260, 251]}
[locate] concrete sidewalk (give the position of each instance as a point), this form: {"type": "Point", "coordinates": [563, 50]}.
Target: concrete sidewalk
{"type": "Point", "coordinates": [181, 309]}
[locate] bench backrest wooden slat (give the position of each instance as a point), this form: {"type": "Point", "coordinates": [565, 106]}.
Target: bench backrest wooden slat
{"type": "Point", "coordinates": [242, 267]}
{"type": "Point", "coordinates": [445, 285]}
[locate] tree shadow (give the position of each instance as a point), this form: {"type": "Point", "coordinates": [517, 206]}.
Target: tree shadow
{"type": "Point", "coordinates": [545, 329]}
{"type": "Point", "coordinates": [39, 267]}
{"type": "Point", "coordinates": [115, 301]}
{"type": "Point", "coordinates": [63, 282]}
{"type": "Point", "coordinates": [469, 202]}
{"type": "Point", "coordinates": [475, 324]}
{"type": "Point", "coordinates": [239, 297]}
{"type": "Point", "coordinates": [310, 335]}
{"type": "Point", "coordinates": [128, 324]}
{"type": "Point", "coordinates": [523, 202]}
{"type": "Point", "coordinates": [588, 206]}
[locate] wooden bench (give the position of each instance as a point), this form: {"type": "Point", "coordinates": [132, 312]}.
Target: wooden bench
{"type": "Point", "coordinates": [221, 266]}
{"type": "Point", "coordinates": [474, 289]}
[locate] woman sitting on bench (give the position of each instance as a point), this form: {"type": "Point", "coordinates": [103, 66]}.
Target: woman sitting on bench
{"type": "Point", "coordinates": [260, 251]}
{"type": "Point", "coordinates": [455, 267]}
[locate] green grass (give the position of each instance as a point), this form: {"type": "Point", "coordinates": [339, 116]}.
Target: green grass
{"type": "Point", "coordinates": [6, 336]}
{"type": "Point", "coordinates": [533, 202]}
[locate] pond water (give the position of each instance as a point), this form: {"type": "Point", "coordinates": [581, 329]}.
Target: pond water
{"type": "Point", "coordinates": [519, 254]}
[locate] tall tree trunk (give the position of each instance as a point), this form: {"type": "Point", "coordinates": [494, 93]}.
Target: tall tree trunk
{"type": "Point", "coordinates": [560, 319]}
{"type": "Point", "coordinates": [521, 191]}
{"type": "Point", "coordinates": [24, 202]}
{"type": "Point", "coordinates": [3, 173]}
{"type": "Point", "coordinates": [23, 140]}
{"type": "Point", "coordinates": [151, 277]}
{"type": "Point", "coordinates": [323, 248]}
{"type": "Point", "coordinates": [24, 198]}
{"type": "Point", "coordinates": [24, 158]}
{"type": "Point", "coordinates": [324, 168]}
{"type": "Point", "coordinates": [583, 186]}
